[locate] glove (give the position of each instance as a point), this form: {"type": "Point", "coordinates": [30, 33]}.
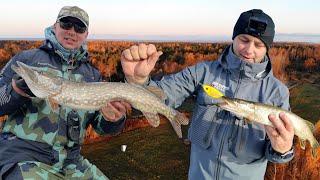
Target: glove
{"type": "Point", "coordinates": [21, 84]}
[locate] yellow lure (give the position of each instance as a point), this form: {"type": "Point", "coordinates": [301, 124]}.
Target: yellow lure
{"type": "Point", "coordinates": [212, 91]}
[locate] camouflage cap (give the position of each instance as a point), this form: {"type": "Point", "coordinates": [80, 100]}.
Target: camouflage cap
{"type": "Point", "coordinates": [76, 12]}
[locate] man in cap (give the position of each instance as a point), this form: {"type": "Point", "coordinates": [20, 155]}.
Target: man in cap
{"type": "Point", "coordinates": [37, 143]}
{"type": "Point", "coordinates": [224, 146]}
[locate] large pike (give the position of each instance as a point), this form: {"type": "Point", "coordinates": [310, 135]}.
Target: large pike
{"type": "Point", "coordinates": [93, 96]}
{"type": "Point", "coordinates": [258, 112]}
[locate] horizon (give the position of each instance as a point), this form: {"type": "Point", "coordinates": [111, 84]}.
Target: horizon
{"type": "Point", "coordinates": [299, 38]}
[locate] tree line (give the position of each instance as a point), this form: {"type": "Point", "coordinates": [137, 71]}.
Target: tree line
{"type": "Point", "coordinates": [287, 58]}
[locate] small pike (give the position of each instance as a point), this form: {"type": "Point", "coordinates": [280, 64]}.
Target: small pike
{"type": "Point", "coordinates": [258, 112]}
{"type": "Point", "coordinates": [93, 96]}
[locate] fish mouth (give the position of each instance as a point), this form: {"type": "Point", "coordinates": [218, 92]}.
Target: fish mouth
{"type": "Point", "coordinates": [25, 72]}
{"type": "Point", "coordinates": [31, 73]}
{"type": "Point", "coordinates": [231, 106]}
{"type": "Point", "coordinates": [228, 105]}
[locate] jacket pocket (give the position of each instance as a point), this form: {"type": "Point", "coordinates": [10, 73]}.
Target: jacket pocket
{"type": "Point", "coordinates": [246, 141]}
{"type": "Point", "coordinates": [203, 125]}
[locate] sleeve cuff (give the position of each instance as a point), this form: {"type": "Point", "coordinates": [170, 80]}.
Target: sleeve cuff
{"type": "Point", "coordinates": [280, 157]}
{"type": "Point", "coordinates": [112, 127]}
{"type": "Point", "coordinates": [13, 93]}
{"type": "Point", "coordinates": [146, 83]}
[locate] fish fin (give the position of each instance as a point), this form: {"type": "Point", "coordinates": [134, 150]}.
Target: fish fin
{"type": "Point", "coordinates": [179, 119]}
{"type": "Point", "coordinates": [53, 104]}
{"type": "Point", "coordinates": [177, 128]}
{"type": "Point", "coordinates": [310, 125]}
{"type": "Point", "coordinates": [157, 92]}
{"type": "Point", "coordinates": [153, 119]}
{"type": "Point", "coordinates": [212, 91]}
{"type": "Point", "coordinates": [303, 144]}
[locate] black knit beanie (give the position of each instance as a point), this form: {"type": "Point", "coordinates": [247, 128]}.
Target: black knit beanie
{"type": "Point", "coordinates": [256, 23]}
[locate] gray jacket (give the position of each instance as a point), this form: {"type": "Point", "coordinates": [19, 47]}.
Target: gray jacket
{"type": "Point", "coordinates": [238, 150]}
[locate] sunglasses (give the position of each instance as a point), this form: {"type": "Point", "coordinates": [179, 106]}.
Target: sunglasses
{"type": "Point", "coordinates": [67, 24]}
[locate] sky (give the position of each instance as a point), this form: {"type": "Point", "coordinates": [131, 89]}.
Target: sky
{"type": "Point", "coordinates": [28, 18]}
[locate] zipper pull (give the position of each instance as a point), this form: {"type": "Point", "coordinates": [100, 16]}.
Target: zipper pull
{"type": "Point", "coordinates": [71, 65]}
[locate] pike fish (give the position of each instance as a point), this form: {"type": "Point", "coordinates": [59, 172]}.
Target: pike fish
{"type": "Point", "coordinates": [94, 95]}
{"type": "Point", "coordinates": [258, 112]}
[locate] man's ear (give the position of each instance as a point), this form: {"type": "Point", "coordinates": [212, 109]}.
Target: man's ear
{"type": "Point", "coordinates": [87, 33]}
{"type": "Point", "coordinates": [54, 27]}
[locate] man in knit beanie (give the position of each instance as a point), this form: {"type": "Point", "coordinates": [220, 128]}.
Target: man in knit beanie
{"type": "Point", "coordinates": [224, 145]}
{"type": "Point", "coordinates": [255, 23]}
{"type": "Point", "coordinates": [253, 26]}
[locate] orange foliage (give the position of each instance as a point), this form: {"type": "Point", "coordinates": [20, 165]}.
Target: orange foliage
{"type": "Point", "coordinates": [310, 64]}
{"type": "Point", "coordinates": [2, 118]}
{"type": "Point", "coordinates": [280, 60]}
{"type": "Point", "coordinates": [4, 55]}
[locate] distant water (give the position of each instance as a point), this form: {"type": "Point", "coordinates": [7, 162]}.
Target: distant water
{"type": "Point", "coordinates": [307, 38]}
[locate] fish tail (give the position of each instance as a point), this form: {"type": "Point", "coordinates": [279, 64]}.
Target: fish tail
{"type": "Point", "coordinates": [313, 141]}
{"type": "Point", "coordinates": [180, 117]}
{"type": "Point", "coordinates": [178, 120]}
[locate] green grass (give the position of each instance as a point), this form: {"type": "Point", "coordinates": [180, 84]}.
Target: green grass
{"type": "Point", "coordinates": [152, 153]}
{"type": "Point", "coordinates": [156, 153]}
{"type": "Point", "coordinates": [305, 101]}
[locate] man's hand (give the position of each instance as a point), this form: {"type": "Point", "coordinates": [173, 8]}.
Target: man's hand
{"type": "Point", "coordinates": [115, 110]}
{"type": "Point", "coordinates": [281, 135]}
{"type": "Point", "coordinates": [138, 61]}
{"type": "Point", "coordinates": [20, 86]}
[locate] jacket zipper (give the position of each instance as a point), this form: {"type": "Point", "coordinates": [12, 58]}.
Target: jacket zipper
{"type": "Point", "coordinates": [225, 130]}
{"type": "Point", "coordinates": [220, 149]}
{"type": "Point", "coordinates": [239, 80]}
{"type": "Point", "coordinates": [234, 95]}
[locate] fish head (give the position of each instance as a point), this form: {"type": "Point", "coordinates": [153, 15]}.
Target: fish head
{"type": "Point", "coordinates": [41, 84]}
{"type": "Point", "coordinates": [240, 108]}
{"type": "Point", "coordinates": [212, 91]}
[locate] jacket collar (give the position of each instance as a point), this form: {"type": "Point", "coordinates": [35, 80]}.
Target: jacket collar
{"type": "Point", "coordinates": [48, 47]}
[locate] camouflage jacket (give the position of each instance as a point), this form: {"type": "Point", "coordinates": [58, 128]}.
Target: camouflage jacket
{"type": "Point", "coordinates": [34, 121]}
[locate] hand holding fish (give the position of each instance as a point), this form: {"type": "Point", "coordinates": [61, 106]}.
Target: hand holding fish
{"type": "Point", "coordinates": [113, 111]}
{"type": "Point", "coordinates": [20, 86]}
{"type": "Point", "coordinates": [281, 134]}
{"type": "Point", "coordinates": [138, 61]}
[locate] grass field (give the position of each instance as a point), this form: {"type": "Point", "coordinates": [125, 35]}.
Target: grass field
{"type": "Point", "coordinates": [152, 153]}
{"type": "Point", "coordinates": [156, 153]}
{"type": "Point", "coordinates": [305, 101]}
